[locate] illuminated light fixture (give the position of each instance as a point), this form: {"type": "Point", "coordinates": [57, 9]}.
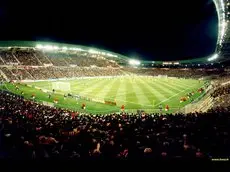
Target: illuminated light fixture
{"type": "Point", "coordinates": [48, 47]}
{"type": "Point", "coordinates": [55, 47]}
{"type": "Point", "coordinates": [93, 51]}
{"type": "Point", "coordinates": [134, 62]}
{"type": "Point", "coordinates": [111, 55]}
{"type": "Point", "coordinates": [214, 57]}
{"type": "Point", "coordinates": [78, 49]}
{"type": "Point", "coordinates": [39, 46]}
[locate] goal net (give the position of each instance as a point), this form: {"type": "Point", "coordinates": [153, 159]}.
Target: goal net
{"type": "Point", "coordinates": [62, 86]}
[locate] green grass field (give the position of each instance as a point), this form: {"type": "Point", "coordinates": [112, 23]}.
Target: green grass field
{"type": "Point", "coordinates": [134, 92]}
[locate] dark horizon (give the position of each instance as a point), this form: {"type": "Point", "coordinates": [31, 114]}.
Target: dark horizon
{"type": "Point", "coordinates": [182, 30]}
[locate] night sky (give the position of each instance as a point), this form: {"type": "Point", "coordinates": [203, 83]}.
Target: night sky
{"type": "Point", "coordinates": [164, 30]}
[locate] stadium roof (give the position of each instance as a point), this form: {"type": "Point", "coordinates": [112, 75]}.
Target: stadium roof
{"type": "Point", "coordinates": [190, 61]}
{"type": "Point", "coordinates": [39, 44]}
{"type": "Point", "coordinates": [118, 57]}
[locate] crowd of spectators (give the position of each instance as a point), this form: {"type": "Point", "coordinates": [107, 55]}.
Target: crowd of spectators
{"type": "Point", "coordinates": [221, 96]}
{"type": "Point", "coordinates": [30, 130]}
{"type": "Point", "coordinates": [82, 59]}
{"type": "Point", "coordinates": [222, 90]}
{"type": "Point", "coordinates": [7, 57]}
{"type": "Point", "coordinates": [8, 73]}
{"type": "Point", "coordinates": [34, 131]}
{"type": "Point", "coordinates": [42, 72]}
{"type": "Point", "coordinates": [34, 57]}
{"type": "Point", "coordinates": [174, 72]}
{"type": "Point", "coordinates": [221, 79]}
{"type": "Point", "coordinates": [52, 72]}
{"type": "Point", "coordinates": [26, 57]}
{"type": "Point", "coordinates": [30, 63]}
{"type": "Point", "coordinates": [2, 79]}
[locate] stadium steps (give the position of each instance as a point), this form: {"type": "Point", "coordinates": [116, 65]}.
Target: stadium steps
{"type": "Point", "coordinates": [46, 58]}
{"type": "Point", "coordinates": [201, 106]}
{"type": "Point", "coordinates": [67, 63]}
{"type": "Point", "coordinates": [4, 76]}
{"type": "Point", "coordinates": [9, 72]}
{"type": "Point", "coordinates": [60, 72]}
{"type": "Point", "coordinates": [2, 60]}
{"type": "Point", "coordinates": [37, 59]}
{"type": "Point", "coordinates": [32, 77]}
{"type": "Point", "coordinates": [206, 104]}
{"type": "Point", "coordinates": [15, 58]}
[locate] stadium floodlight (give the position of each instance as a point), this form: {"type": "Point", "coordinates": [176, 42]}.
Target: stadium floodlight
{"type": "Point", "coordinates": [39, 46]}
{"type": "Point", "coordinates": [214, 57]}
{"type": "Point", "coordinates": [91, 51]}
{"type": "Point", "coordinates": [78, 49]}
{"type": "Point", "coordinates": [64, 48]}
{"type": "Point", "coordinates": [111, 55]}
{"type": "Point", "coordinates": [48, 47]}
{"type": "Point", "coordinates": [55, 47]}
{"type": "Point", "coordinates": [134, 62]}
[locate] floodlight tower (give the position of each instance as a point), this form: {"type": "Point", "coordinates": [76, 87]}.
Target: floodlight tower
{"type": "Point", "coordinates": [134, 62]}
{"type": "Point", "coordinates": [223, 41]}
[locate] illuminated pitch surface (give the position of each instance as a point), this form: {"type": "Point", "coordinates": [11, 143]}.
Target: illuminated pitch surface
{"type": "Point", "coordinates": [133, 92]}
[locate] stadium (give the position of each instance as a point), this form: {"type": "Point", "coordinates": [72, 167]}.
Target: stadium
{"type": "Point", "coordinates": [70, 77]}
{"type": "Point", "coordinates": [64, 92]}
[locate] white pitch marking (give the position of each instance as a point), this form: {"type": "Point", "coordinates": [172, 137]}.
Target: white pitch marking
{"type": "Point", "coordinates": [172, 96]}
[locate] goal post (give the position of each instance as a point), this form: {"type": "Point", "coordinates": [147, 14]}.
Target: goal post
{"type": "Point", "coordinates": [62, 86]}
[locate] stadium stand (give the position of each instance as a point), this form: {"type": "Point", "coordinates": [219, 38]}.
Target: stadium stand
{"type": "Point", "coordinates": [31, 63]}
{"type": "Point", "coordinates": [34, 57]}
{"type": "Point", "coordinates": [29, 130]}
{"type": "Point", "coordinates": [26, 57]}
{"type": "Point", "coordinates": [42, 73]}
{"type": "Point", "coordinates": [33, 131]}
{"type": "Point", "coordinates": [221, 96]}
{"type": "Point", "coordinates": [67, 72]}
{"type": "Point", "coordinates": [175, 72]}
{"type": "Point", "coordinates": [7, 57]}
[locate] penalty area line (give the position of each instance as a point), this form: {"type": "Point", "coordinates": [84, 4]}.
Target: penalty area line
{"type": "Point", "coordinates": [173, 96]}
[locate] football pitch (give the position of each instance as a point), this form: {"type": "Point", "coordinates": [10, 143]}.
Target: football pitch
{"type": "Point", "coordinates": [135, 93]}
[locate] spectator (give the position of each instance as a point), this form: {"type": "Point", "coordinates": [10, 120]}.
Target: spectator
{"type": "Point", "coordinates": [32, 130]}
